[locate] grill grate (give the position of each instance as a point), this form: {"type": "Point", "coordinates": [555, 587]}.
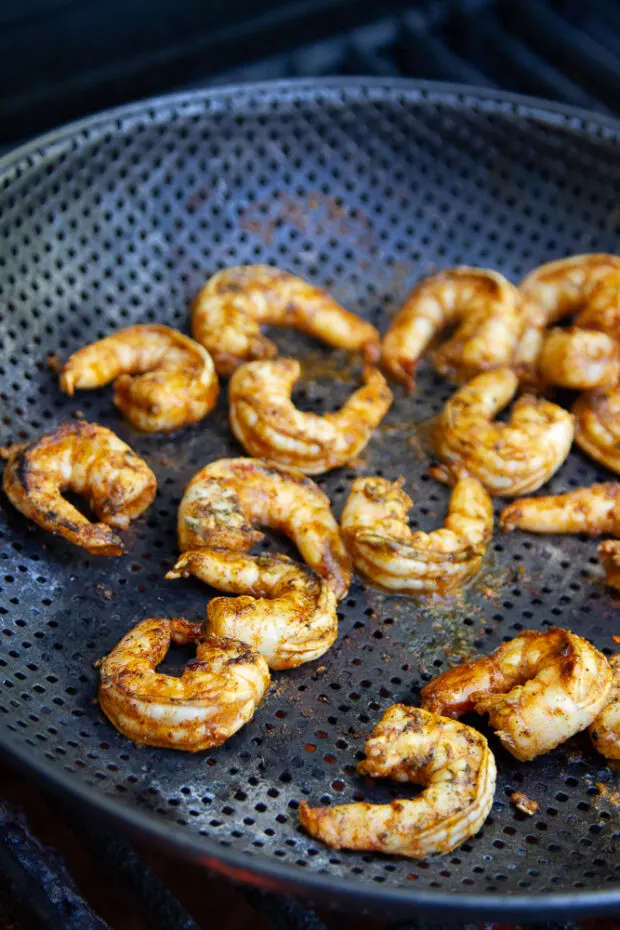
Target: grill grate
{"type": "Point", "coordinates": [65, 63]}
{"type": "Point", "coordinates": [120, 222]}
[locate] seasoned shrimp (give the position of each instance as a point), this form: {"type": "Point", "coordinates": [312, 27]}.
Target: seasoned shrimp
{"type": "Point", "coordinates": [564, 287]}
{"type": "Point", "coordinates": [605, 731]}
{"type": "Point", "coordinates": [176, 383]}
{"type": "Point", "coordinates": [597, 426]}
{"type": "Point", "coordinates": [539, 689]}
{"type": "Point", "coordinates": [288, 613]}
{"type": "Point", "coordinates": [560, 289]}
{"type": "Point", "coordinates": [223, 501]}
{"type": "Point", "coordinates": [594, 511]}
{"type": "Point", "coordinates": [217, 693]}
{"type": "Point", "coordinates": [454, 764]}
{"type": "Point", "coordinates": [228, 313]}
{"type": "Point", "coordinates": [387, 552]}
{"type": "Point", "coordinates": [484, 304]}
{"type": "Point", "coordinates": [91, 461]}
{"type": "Point", "coordinates": [268, 425]}
{"type": "Point", "coordinates": [609, 554]}
{"type": "Point", "coordinates": [579, 359]}
{"type": "Point", "coordinates": [508, 458]}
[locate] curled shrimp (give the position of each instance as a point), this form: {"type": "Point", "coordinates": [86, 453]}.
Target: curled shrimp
{"type": "Point", "coordinates": [564, 287]}
{"type": "Point", "coordinates": [594, 510]}
{"type": "Point", "coordinates": [287, 613]}
{"type": "Point", "coordinates": [454, 764]}
{"type": "Point", "coordinates": [579, 359]}
{"type": "Point", "coordinates": [268, 425]}
{"type": "Point", "coordinates": [386, 551]}
{"type": "Point", "coordinates": [609, 555]}
{"type": "Point", "coordinates": [91, 461]}
{"type": "Point", "coordinates": [605, 731]}
{"type": "Point", "coordinates": [228, 313]}
{"type": "Point", "coordinates": [559, 289]}
{"type": "Point", "coordinates": [225, 499]}
{"type": "Point", "coordinates": [597, 426]}
{"type": "Point", "coordinates": [487, 309]}
{"type": "Point", "coordinates": [217, 693]}
{"type": "Point", "coordinates": [508, 458]}
{"type": "Point", "coordinates": [539, 689]}
{"type": "Point", "coordinates": [163, 380]}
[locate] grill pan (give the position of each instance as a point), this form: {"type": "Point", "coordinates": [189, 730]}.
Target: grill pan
{"type": "Point", "coordinates": [362, 186]}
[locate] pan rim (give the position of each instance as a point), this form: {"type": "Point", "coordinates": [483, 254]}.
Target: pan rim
{"type": "Point", "coordinates": [239, 865]}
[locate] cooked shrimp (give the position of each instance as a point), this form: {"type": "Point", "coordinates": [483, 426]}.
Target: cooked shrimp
{"type": "Point", "coordinates": [508, 458]}
{"type": "Point", "coordinates": [484, 304]}
{"type": "Point", "coordinates": [288, 613]}
{"type": "Point", "coordinates": [559, 289]}
{"type": "Point", "coordinates": [176, 383]}
{"type": "Point", "coordinates": [605, 731]}
{"type": "Point", "coordinates": [609, 554]}
{"type": "Point", "coordinates": [539, 689]}
{"type": "Point", "coordinates": [597, 426]}
{"type": "Point", "coordinates": [91, 461]}
{"type": "Point", "coordinates": [579, 359]}
{"type": "Point", "coordinates": [454, 764]}
{"type": "Point", "coordinates": [217, 693]}
{"type": "Point", "coordinates": [268, 425]}
{"type": "Point", "coordinates": [223, 501]}
{"type": "Point", "coordinates": [388, 553]}
{"type": "Point", "coordinates": [594, 511]}
{"type": "Point", "coordinates": [230, 309]}
{"type": "Point", "coordinates": [564, 287]}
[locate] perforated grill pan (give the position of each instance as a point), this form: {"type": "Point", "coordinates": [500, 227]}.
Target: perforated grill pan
{"type": "Point", "coordinates": [362, 186]}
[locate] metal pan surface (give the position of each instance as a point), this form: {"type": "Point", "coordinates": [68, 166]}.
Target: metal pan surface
{"type": "Point", "coordinates": [363, 186]}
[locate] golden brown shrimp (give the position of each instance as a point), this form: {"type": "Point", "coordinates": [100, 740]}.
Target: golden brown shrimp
{"type": "Point", "coordinates": [564, 287]}
{"type": "Point", "coordinates": [508, 458]}
{"type": "Point", "coordinates": [268, 425]}
{"type": "Point", "coordinates": [539, 689]}
{"type": "Point", "coordinates": [288, 613]}
{"type": "Point", "coordinates": [91, 461]}
{"type": "Point", "coordinates": [484, 304]}
{"type": "Point", "coordinates": [609, 555]}
{"type": "Point", "coordinates": [605, 731]}
{"type": "Point", "coordinates": [597, 426]}
{"type": "Point", "coordinates": [225, 499]}
{"type": "Point", "coordinates": [594, 510]}
{"type": "Point", "coordinates": [228, 313]}
{"type": "Point", "coordinates": [175, 385]}
{"type": "Point", "coordinates": [454, 764]}
{"type": "Point", "coordinates": [386, 551]}
{"type": "Point", "coordinates": [560, 289]}
{"type": "Point", "coordinates": [579, 359]}
{"type": "Point", "coordinates": [217, 693]}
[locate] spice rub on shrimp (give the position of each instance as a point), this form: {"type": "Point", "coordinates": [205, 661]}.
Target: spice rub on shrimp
{"type": "Point", "coordinates": [454, 764]}
{"type": "Point", "coordinates": [597, 426]}
{"type": "Point", "coordinates": [287, 612]}
{"type": "Point", "coordinates": [579, 359]}
{"type": "Point", "coordinates": [487, 309]}
{"type": "Point", "coordinates": [558, 289]}
{"type": "Point", "coordinates": [217, 693]}
{"type": "Point", "coordinates": [539, 689]}
{"type": "Point", "coordinates": [229, 311]}
{"type": "Point", "coordinates": [594, 510]}
{"type": "Point", "coordinates": [387, 552]}
{"type": "Point", "coordinates": [163, 380]}
{"type": "Point", "coordinates": [508, 458]}
{"type": "Point", "coordinates": [91, 461]}
{"type": "Point", "coordinates": [605, 731]}
{"type": "Point", "coordinates": [268, 425]}
{"type": "Point", "coordinates": [223, 502]}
